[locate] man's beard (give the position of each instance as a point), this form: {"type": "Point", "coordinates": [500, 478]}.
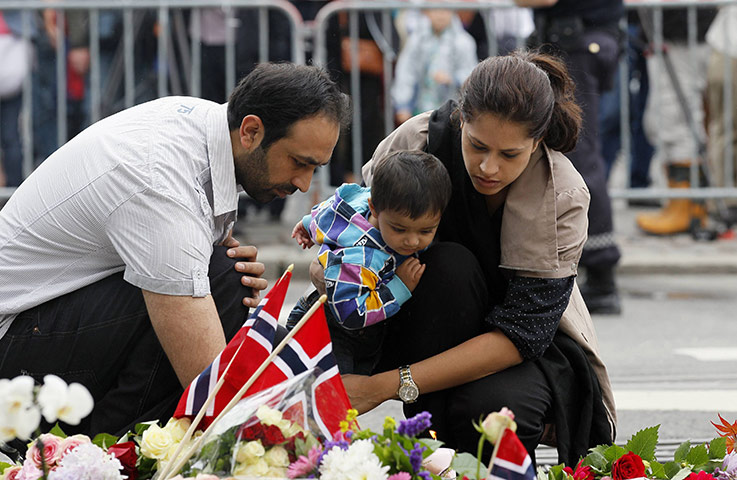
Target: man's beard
{"type": "Point", "coordinates": [252, 173]}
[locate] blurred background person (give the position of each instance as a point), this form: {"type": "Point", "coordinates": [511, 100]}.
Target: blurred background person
{"type": "Point", "coordinates": [586, 35]}
{"type": "Point", "coordinates": [675, 123]}
{"type": "Point", "coordinates": [437, 57]}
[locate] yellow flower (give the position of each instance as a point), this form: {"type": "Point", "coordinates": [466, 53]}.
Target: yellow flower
{"type": "Point", "coordinates": [344, 427]}
{"type": "Point", "coordinates": [268, 416]}
{"type": "Point", "coordinates": [249, 451]}
{"type": "Point", "coordinates": [351, 415]}
{"type": "Point", "coordinates": [177, 427]}
{"type": "Point", "coordinates": [155, 442]}
{"type": "Point", "coordinates": [259, 468]}
{"type": "Point", "coordinates": [277, 456]}
{"type": "Point", "coordinates": [389, 423]}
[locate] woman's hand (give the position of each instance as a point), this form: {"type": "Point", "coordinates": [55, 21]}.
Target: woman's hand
{"type": "Point", "coordinates": [251, 269]}
{"type": "Point", "coordinates": [300, 233]}
{"type": "Point", "coordinates": [364, 392]}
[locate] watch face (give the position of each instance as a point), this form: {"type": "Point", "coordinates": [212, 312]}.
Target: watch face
{"type": "Point", "coordinates": [408, 393]}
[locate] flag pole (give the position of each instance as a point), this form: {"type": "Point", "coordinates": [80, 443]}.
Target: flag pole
{"type": "Point", "coordinates": [179, 462]}
{"type": "Point", "coordinates": [211, 397]}
{"type": "Point", "coordinates": [494, 452]}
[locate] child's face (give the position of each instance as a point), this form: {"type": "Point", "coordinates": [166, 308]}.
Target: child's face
{"type": "Point", "coordinates": [403, 234]}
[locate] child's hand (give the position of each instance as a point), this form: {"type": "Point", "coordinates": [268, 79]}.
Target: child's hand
{"type": "Point", "coordinates": [410, 272]}
{"type": "Point", "coordinates": [302, 236]}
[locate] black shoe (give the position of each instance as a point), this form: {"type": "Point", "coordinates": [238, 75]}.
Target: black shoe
{"type": "Point", "coordinates": [600, 291]}
{"type": "Point", "coordinates": [645, 202]}
{"type": "Point", "coordinates": [603, 303]}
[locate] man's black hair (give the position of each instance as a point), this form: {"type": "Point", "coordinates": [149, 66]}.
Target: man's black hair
{"type": "Point", "coordinates": [411, 182]}
{"type": "Point", "coordinates": [284, 93]}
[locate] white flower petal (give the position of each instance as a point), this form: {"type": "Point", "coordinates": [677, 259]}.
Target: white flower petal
{"type": "Point", "coordinates": [78, 404]}
{"type": "Point", "coordinates": [52, 397]}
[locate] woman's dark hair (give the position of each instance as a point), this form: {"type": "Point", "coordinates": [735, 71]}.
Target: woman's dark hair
{"type": "Point", "coordinates": [284, 93]}
{"type": "Point", "coordinates": [526, 87]}
{"type": "Point", "coordinates": [411, 182]}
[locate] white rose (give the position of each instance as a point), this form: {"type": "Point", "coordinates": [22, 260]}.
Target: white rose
{"type": "Point", "coordinates": [268, 416]}
{"type": "Point", "coordinates": [277, 472]}
{"type": "Point", "coordinates": [277, 457]}
{"type": "Point", "coordinates": [177, 428]}
{"type": "Point", "coordinates": [259, 468]}
{"type": "Point", "coordinates": [249, 451]}
{"type": "Point", "coordinates": [155, 442]}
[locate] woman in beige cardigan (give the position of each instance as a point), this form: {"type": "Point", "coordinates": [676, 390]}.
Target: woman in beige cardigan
{"type": "Point", "coordinates": [497, 319]}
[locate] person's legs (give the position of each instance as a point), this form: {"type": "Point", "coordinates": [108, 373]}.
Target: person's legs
{"type": "Point", "coordinates": [591, 71]}
{"type": "Point", "coordinates": [101, 336]}
{"type": "Point", "coordinates": [10, 146]}
{"type": "Point", "coordinates": [434, 321]}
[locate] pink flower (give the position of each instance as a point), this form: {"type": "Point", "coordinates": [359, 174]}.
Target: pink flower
{"type": "Point", "coordinates": [700, 476]}
{"type": "Point", "coordinates": [581, 472]}
{"type": "Point", "coordinates": [29, 471]}
{"type": "Point", "coordinates": [51, 450]}
{"type": "Point", "coordinates": [70, 443]}
{"type": "Point", "coordinates": [400, 476]}
{"type": "Point", "coordinates": [304, 465]}
{"type": "Point", "coordinates": [11, 473]}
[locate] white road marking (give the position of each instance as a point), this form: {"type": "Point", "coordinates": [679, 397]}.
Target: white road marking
{"type": "Point", "coordinates": [710, 354]}
{"type": "Point", "coordinates": [683, 400]}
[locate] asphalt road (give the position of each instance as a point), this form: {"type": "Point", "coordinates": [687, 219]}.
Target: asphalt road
{"type": "Point", "coordinates": [671, 355]}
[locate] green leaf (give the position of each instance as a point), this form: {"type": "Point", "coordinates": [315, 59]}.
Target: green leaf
{"type": "Point", "coordinates": [56, 430]}
{"type": "Point", "coordinates": [671, 469]}
{"type": "Point", "coordinates": [104, 440]}
{"type": "Point", "coordinates": [3, 466]}
{"type": "Point", "coordinates": [142, 427]}
{"type": "Point", "coordinates": [613, 452]}
{"type": "Point", "coordinates": [718, 448]}
{"type": "Point", "coordinates": [682, 474]}
{"type": "Point", "coordinates": [597, 460]}
{"type": "Point", "coordinates": [697, 455]}
{"type": "Point", "coordinates": [643, 443]}
{"type": "Point", "coordinates": [556, 472]}
{"type": "Point", "coordinates": [464, 464]}
{"type": "Point", "coordinates": [431, 445]}
{"type": "Point", "coordinates": [680, 455]}
{"type": "Point", "coordinates": [657, 469]}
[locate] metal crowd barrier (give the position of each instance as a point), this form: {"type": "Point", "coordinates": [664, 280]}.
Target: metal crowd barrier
{"type": "Point", "coordinates": [178, 53]}
{"type": "Point", "coordinates": [179, 61]}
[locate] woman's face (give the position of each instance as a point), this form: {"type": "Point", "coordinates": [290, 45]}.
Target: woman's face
{"type": "Point", "coordinates": [495, 151]}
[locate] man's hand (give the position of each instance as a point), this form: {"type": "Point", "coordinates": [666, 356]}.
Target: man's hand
{"type": "Point", "coordinates": [410, 272]}
{"type": "Point", "coordinates": [302, 236]}
{"type": "Point", "coordinates": [251, 269]}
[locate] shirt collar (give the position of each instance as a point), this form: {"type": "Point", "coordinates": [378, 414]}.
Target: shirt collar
{"type": "Point", "coordinates": [222, 164]}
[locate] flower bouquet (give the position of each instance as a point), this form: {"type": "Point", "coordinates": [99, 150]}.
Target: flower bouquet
{"type": "Point", "coordinates": [715, 460]}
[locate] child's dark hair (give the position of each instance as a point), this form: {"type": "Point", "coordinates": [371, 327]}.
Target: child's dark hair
{"type": "Point", "coordinates": [526, 87]}
{"type": "Point", "coordinates": [410, 182]}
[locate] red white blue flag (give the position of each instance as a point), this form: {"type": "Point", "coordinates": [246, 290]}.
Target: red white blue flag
{"type": "Point", "coordinates": [309, 348]}
{"type": "Point", "coordinates": [512, 462]}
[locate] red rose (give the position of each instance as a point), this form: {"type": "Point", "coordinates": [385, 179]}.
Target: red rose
{"type": "Point", "coordinates": [700, 476]}
{"type": "Point", "coordinates": [628, 466]}
{"type": "Point", "coordinates": [126, 453]}
{"type": "Point", "coordinates": [254, 432]}
{"type": "Point", "coordinates": [581, 472]}
{"type": "Point", "coordinates": [273, 436]}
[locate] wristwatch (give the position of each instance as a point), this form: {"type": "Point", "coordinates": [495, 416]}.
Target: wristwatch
{"type": "Point", "coordinates": [408, 391]}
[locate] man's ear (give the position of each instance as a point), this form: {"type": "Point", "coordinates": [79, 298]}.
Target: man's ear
{"type": "Point", "coordinates": [251, 132]}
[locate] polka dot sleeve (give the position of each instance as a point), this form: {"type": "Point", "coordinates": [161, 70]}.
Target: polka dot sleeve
{"type": "Point", "coordinates": [531, 312]}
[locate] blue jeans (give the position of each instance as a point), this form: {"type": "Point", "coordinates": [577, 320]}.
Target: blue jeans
{"type": "Point", "coordinates": [10, 143]}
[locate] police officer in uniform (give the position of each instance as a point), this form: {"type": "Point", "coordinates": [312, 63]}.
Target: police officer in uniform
{"type": "Point", "coordinates": [586, 34]}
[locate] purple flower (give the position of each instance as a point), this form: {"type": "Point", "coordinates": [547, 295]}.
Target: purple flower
{"type": "Point", "coordinates": [729, 468]}
{"type": "Point", "coordinates": [415, 457]}
{"type": "Point", "coordinates": [415, 425]}
{"type": "Point", "coordinates": [425, 475]}
{"type": "Point", "coordinates": [342, 444]}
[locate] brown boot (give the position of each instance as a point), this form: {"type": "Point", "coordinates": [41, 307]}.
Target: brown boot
{"type": "Point", "coordinates": [679, 213]}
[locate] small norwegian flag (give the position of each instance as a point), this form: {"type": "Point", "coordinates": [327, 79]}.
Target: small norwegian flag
{"type": "Point", "coordinates": [512, 462]}
{"type": "Point", "coordinates": [309, 348]}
